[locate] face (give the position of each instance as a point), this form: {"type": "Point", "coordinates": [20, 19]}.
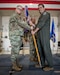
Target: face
{"type": "Point", "coordinates": [41, 8]}
{"type": "Point", "coordinates": [19, 10]}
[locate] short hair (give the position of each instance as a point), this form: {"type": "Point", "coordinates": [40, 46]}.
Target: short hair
{"type": "Point", "coordinates": [41, 5]}
{"type": "Point", "coordinates": [19, 6]}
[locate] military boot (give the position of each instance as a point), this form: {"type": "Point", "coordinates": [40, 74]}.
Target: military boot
{"type": "Point", "coordinates": [48, 68]}
{"type": "Point", "coordinates": [15, 67]}
{"type": "Point", "coordinates": [17, 62]}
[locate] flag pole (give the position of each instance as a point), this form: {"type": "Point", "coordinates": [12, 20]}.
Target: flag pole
{"type": "Point", "coordinates": [36, 49]}
{"type": "Point", "coordinates": [53, 43]}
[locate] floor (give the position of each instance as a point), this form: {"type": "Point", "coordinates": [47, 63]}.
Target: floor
{"type": "Point", "coordinates": [28, 66]}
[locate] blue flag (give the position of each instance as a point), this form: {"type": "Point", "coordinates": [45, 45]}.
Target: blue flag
{"type": "Point", "coordinates": [26, 11]}
{"type": "Point", "coordinates": [52, 33]}
{"type": "Point", "coordinates": [26, 15]}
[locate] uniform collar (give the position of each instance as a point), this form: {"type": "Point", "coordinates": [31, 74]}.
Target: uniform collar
{"type": "Point", "coordinates": [44, 13]}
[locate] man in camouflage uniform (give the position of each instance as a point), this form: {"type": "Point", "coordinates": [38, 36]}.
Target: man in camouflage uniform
{"type": "Point", "coordinates": [32, 48]}
{"type": "Point", "coordinates": [16, 26]}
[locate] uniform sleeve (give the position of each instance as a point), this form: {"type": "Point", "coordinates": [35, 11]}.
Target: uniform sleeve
{"type": "Point", "coordinates": [11, 20]}
{"type": "Point", "coordinates": [21, 23]}
{"type": "Point", "coordinates": [24, 24]}
{"type": "Point", "coordinates": [43, 20]}
{"type": "Point", "coordinates": [11, 23]}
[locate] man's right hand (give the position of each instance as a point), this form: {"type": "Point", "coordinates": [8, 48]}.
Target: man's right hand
{"type": "Point", "coordinates": [32, 32]}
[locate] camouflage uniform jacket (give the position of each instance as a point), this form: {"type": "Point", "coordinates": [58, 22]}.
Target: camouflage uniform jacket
{"type": "Point", "coordinates": [17, 25]}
